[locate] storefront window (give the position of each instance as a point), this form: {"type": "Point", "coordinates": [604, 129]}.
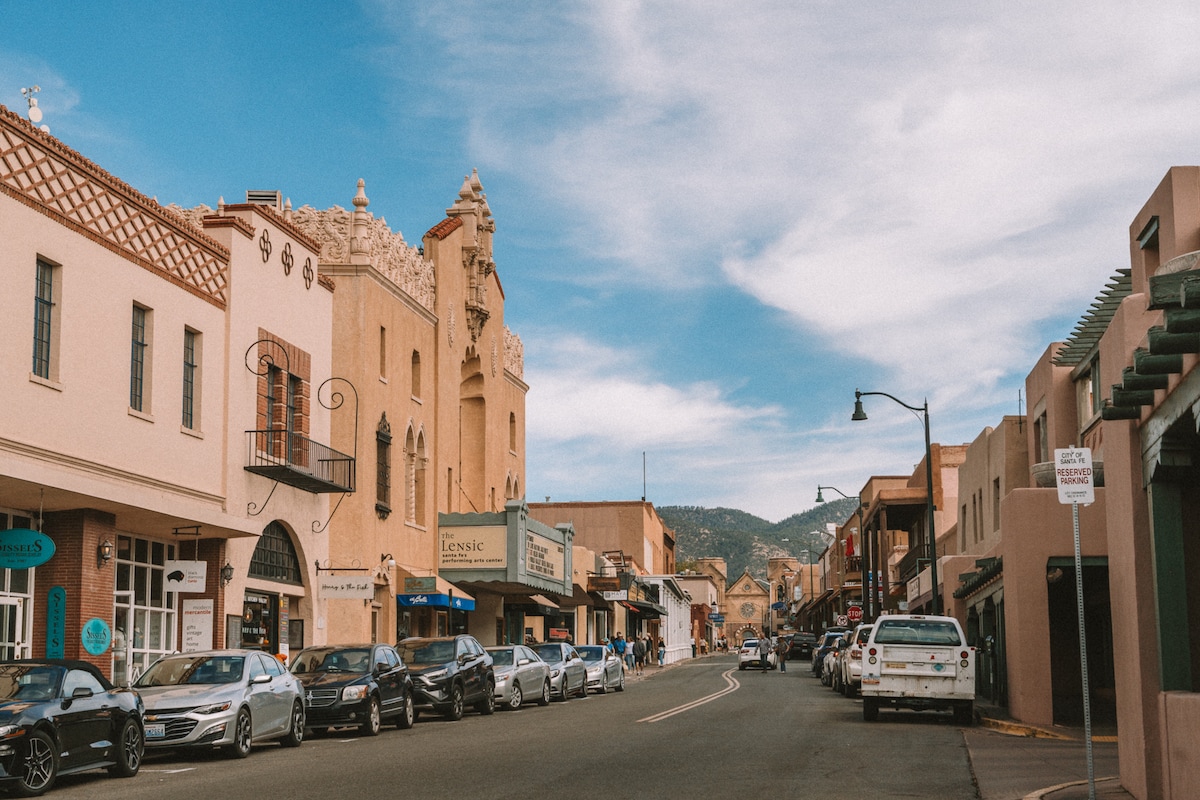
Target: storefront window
{"type": "Point", "coordinates": [16, 600]}
{"type": "Point", "coordinates": [144, 618]}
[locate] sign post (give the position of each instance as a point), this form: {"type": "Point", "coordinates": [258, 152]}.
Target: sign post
{"type": "Point", "coordinates": [1073, 471]}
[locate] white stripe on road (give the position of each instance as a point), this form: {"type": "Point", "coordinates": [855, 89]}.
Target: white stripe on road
{"type": "Point", "coordinates": [733, 686]}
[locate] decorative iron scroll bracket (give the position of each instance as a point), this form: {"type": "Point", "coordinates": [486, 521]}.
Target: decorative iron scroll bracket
{"type": "Point", "coordinates": [328, 566]}
{"type": "Point", "coordinates": [336, 399]}
{"type": "Point", "coordinates": [263, 364]}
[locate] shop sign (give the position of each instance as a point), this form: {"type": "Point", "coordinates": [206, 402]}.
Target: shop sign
{"type": "Point", "coordinates": [197, 625]}
{"type": "Point", "coordinates": [544, 557]}
{"type": "Point", "coordinates": [621, 595]}
{"type": "Point", "coordinates": [186, 577]}
{"type": "Point", "coordinates": [56, 621]}
{"type": "Point", "coordinates": [96, 636]}
{"type": "Point", "coordinates": [599, 583]}
{"type": "Point", "coordinates": [473, 547]}
{"type": "Point", "coordinates": [421, 584]}
{"type": "Point", "coordinates": [22, 548]}
{"type": "Point", "coordinates": [347, 587]}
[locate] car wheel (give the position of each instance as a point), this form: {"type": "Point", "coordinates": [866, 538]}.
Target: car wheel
{"type": "Point", "coordinates": [544, 700]}
{"type": "Point", "coordinates": [515, 697]}
{"type": "Point", "coordinates": [295, 734]}
{"type": "Point", "coordinates": [964, 713]}
{"type": "Point", "coordinates": [603, 683]}
{"type": "Point", "coordinates": [128, 755]}
{"type": "Point", "coordinates": [370, 726]}
{"type": "Point", "coordinates": [564, 695]}
{"type": "Point", "coordinates": [39, 766]}
{"type": "Point", "coordinates": [487, 705]}
{"type": "Point", "coordinates": [621, 683]}
{"type": "Point", "coordinates": [408, 714]}
{"type": "Point", "coordinates": [243, 734]}
{"type": "Point", "coordinates": [454, 711]}
{"type": "Point", "coordinates": [870, 709]}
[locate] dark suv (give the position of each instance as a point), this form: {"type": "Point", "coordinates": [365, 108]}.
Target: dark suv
{"type": "Point", "coordinates": [450, 672]}
{"type": "Point", "coordinates": [354, 684]}
{"type": "Point", "coordinates": [823, 645]}
{"type": "Point", "coordinates": [802, 646]}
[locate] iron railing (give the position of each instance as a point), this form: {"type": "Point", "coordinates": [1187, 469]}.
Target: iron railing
{"type": "Point", "coordinates": [298, 461]}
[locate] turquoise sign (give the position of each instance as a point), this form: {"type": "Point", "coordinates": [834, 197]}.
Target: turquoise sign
{"type": "Point", "coordinates": [56, 622]}
{"type": "Point", "coordinates": [21, 548]}
{"type": "Point", "coordinates": [96, 636]}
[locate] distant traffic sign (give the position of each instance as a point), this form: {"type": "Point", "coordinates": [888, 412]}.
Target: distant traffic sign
{"type": "Point", "coordinates": [854, 614]}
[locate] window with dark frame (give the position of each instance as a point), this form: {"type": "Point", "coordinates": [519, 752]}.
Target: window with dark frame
{"type": "Point", "coordinates": [189, 379]}
{"type": "Point", "coordinates": [43, 319]}
{"type": "Point", "coordinates": [137, 359]}
{"type": "Point", "coordinates": [383, 468]}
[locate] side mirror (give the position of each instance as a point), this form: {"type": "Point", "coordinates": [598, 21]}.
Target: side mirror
{"type": "Point", "coordinates": [262, 678]}
{"type": "Point", "coordinates": [81, 691]}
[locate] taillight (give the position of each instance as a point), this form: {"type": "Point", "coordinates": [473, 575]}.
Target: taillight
{"type": "Point", "coordinates": [964, 655]}
{"type": "Point", "coordinates": [872, 652]}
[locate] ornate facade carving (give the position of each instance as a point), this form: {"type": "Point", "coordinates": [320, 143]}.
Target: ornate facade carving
{"type": "Point", "coordinates": [395, 259]}
{"type": "Point", "coordinates": [514, 354]}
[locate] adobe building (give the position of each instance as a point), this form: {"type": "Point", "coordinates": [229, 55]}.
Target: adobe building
{"type": "Point", "coordinates": [748, 604]}
{"type": "Point", "coordinates": [435, 381]}
{"type": "Point", "coordinates": [162, 428]}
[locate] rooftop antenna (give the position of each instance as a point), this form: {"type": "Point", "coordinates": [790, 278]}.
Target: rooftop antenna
{"type": "Point", "coordinates": [35, 113]}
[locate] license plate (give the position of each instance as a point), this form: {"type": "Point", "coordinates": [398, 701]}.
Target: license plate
{"type": "Point", "coordinates": [895, 665]}
{"type": "Point", "coordinates": [156, 730]}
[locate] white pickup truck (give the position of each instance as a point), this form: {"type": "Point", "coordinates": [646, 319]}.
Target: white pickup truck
{"type": "Point", "coordinates": [918, 662]}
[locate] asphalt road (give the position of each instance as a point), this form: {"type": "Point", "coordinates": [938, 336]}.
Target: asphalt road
{"type": "Point", "coordinates": [698, 729]}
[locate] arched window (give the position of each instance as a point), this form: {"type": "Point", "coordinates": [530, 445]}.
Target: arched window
{"type": "Point", "coordinates": [383, 468]}
{"type": "Point", "coordinates": [275, 558]}
{"type": "Point", "coordinates": [416, 374]}
{"type": "Point", "coordinates": [512, 431]}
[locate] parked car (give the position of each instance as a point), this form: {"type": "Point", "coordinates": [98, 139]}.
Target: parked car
{"type": "Point", "coordinates": [449, 673]}
{"type": "Point", "coordinates": [748, 656]}
{"type": "Point", "coordinates": [221, 698]}
{"type": "Point", "coordinates": [520, 675]}
{"type": "Point", "coordinates": [568, 675]}
{"type": "Point", "coordinates": [604, 670]}
{"type": "Point", "coordinates": [802, 646]}
{"type": "Point", "coordinates": [850, 661]}
{"type": "Point", "coordinates": [823, 643]}
{"type": "Point", "coordinates": [360, 684]}
{"type": "Point", "coordinates": [829, 660]}
{"type": "Point", "coordinates": [62, 717]}
{"type": "Point", "coordinates": [920, 662]}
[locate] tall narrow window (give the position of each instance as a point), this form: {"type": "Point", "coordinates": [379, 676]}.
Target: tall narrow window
{"type": "Point", "coordinates": [189, 379]}
{"type": "Point", "coordinates": [43, 319]}
{"type": "Point", "coordinates": [137, 360]}
{"type": "Point", "coordinates": [512, 432]}
{"type": "Point", "coordinates": [383, 352]}
{"type": "Point", "coordinates": [995, 504]}
{"type": "Point", "coordinates": [416, 374]}
{"type": "Point", "coordinates": [383, 468]}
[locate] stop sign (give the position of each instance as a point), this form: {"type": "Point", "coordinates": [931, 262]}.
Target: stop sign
{"type": "Point", "coordinates": [854, 614]}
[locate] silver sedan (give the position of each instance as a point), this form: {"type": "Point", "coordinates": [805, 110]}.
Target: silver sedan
{"type": "Point", "coordinates": [520, 675]}
{"type": "Point", "coordinates": [568, 675]}
{"type": "Point", "coordinates": [604, 670]}
{"type": "Point", "coordinates": [221, 698]}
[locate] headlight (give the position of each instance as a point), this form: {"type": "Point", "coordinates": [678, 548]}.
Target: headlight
{"type": "Point", "coordinates": [554, 673]}
{"type": "Point", "coordinates": [8, 730]}
{"type": "Point", "coordinates": [436, 675]}
{"type": "Point", "coordinates": [215, 708]}
{"type": "Point", "coordinates": [354, 692]}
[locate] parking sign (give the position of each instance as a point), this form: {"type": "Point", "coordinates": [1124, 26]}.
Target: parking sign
{"type": "Point", "coordinates": [1073, 469]}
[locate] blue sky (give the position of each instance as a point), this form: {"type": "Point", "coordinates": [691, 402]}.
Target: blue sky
{"type": "Point", "coordinates": [714, 220]}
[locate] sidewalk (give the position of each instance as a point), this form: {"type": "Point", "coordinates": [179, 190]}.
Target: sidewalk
{"type": "Point", "coordinates": [1009, 757]}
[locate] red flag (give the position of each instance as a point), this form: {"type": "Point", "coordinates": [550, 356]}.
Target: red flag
{"type": "Point", "coordinates": [850, 544]}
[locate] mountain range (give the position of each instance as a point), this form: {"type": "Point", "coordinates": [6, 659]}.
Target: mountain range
{"type": "Point", "coordinates": [745, 540]}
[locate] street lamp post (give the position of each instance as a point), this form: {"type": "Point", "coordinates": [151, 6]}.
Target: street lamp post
{"type": "Point", "coordinates": [859, 415]}
{"type": "Point", "coordinates": [867, 545]}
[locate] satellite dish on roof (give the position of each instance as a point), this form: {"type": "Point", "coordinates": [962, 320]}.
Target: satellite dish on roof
{"type": "Point", "coordinates": [35, 113]}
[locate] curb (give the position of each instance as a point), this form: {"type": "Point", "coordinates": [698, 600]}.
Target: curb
{"type": "Point", "coordinates": [1010, 728]}
{"type": "Point", "coordinates": [1041, 794]}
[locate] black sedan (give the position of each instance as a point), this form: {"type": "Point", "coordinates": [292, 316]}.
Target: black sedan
{"type": "Point", "coordinates": [355, 684]}
{"type": "Point", "coordinates": [62, 717]}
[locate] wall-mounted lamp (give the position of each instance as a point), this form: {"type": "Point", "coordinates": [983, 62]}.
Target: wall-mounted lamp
{"type": "Point", "coordinates": [226, 574]}
{"type": "Point", "coordinates": [105, 552]}
{"type": "Point", "coordinates": [386, 560]}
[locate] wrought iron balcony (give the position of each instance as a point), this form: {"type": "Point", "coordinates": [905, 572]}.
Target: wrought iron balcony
{"type": "Point", "coordinates": [298, 461]}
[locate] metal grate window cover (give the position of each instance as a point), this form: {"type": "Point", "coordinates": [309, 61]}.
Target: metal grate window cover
{"type": "Point", "coordinates": [275, 557]}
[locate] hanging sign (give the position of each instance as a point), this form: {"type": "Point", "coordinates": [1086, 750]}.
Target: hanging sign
{"type": "Point", "coordinates": [22, 548]}
{"type": "Point", "coordinates": [186, 576]}
{"type": "Point", "coordinates": [96, 636]}
{"type": "Point", "coordinates": [346, 587]}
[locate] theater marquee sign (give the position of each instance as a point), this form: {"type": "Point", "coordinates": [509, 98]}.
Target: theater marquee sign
{"type": "Point", "coordinates": [473, 547]}
{"type": "Point", "coordinates": [544, 557]}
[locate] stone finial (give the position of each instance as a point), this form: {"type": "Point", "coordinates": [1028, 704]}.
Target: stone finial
{"type": "Point", "coordinates": [220, 206]}
{"type": "Point", "coordinates": [475, 184]}
{"type": "Point", "coordinates": [359, 241]}
{"type": "Point", "coordinates": [360, 197]}
{"type": "Point", "coordinates": [287, 210]}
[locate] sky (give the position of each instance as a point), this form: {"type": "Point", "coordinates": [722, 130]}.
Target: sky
{"type": "Point", "coordinates": [714, 220]}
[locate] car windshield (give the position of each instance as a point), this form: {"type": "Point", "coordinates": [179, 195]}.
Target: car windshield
{"type": "Point", "coordinates": [193, 669]}
{"type": "Point", "coordinates": [331, 659]}
{"type": "Point", "coordinates": [551, 654]}
{"type": "Point", "coordinates": [749, 643]}
{"type": "Point", "coordinates": [591, 652]}
{"type": "Point", "coordinates": [502, 657]}
{"type": "Point", "coordinates": [919, 632]}
{"type": "Point", "coordinates": [424, 651]}
{"type": "Point", "coordinates": [30, 682]}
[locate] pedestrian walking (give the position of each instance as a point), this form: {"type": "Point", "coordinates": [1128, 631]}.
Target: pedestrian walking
{"type": "Point", "coordinates": [693, 647]}
{"type": "Point", "coordinates": [619, 647]}
{"type": "Point", "coordinates": [764, 651]}
{"type": "Point", "coordinates": [639, 656]}
{"type": "Point", "coordinates": [782, 646]}
{"type": "Point", "coordinates": [662, 651]}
